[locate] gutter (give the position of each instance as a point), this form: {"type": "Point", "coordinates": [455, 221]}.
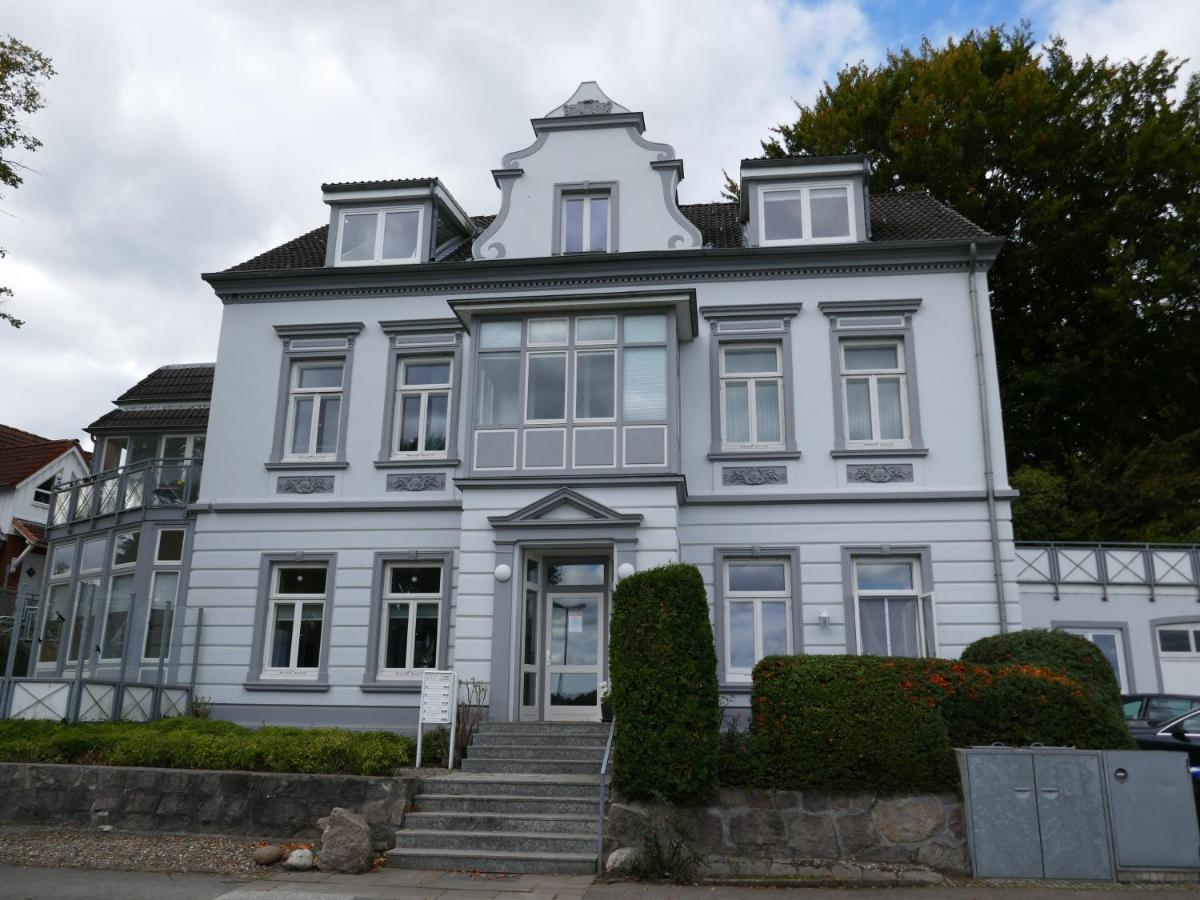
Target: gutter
{"type": "Point", "coordinates": [985, 428]}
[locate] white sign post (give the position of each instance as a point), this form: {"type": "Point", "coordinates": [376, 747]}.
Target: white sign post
{"type": "Point", "coordinates": [439, 706]}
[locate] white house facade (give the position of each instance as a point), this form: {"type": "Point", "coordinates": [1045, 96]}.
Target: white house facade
{"type": "Point", "coordinates": [438, 440]}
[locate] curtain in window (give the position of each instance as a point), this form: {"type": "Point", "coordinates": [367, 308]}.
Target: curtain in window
{"type": "Point", "coordinates": [872, 620]}
{"type": "Point", "coordinates": [741, 635]}
{"type": "Point", "coordinates": [891, 424]}
{"type": "Point", "coordinates": [766, 402]}
{"type": "Point", "coordinates": [858, 410]}
{"type": "Point", "coordinates": [774, 628]}
{"type": "Point", "coordinates": [645, 384]}
{"type": "Point", "coordinates": [737, 412]}
{"type": "Point", "coordinates": [902, 625]}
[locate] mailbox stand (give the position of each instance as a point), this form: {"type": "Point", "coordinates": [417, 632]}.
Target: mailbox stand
{"type": "Point", "coordinates": [439, 706]}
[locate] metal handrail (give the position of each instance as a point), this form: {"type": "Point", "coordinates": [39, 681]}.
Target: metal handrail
{"type": "Point", "coordinates": [603, 798]}
{"type": "Point", "coordinates": [133, 486]}
{"type": "Point", "coordinates": [1097, 545]}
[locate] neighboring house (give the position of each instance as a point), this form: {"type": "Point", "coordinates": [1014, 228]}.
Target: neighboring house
{"type": "Point", "coordinates": [439, 440]}
{"type": "Point", "coordinates": [30, 467]}
{"type": "Point", "coordinates": [121, 536]}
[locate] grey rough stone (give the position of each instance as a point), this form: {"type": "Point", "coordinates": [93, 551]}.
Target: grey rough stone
{"type": "Point", "coordinates": [345, 843]}
{"type": "Point", "coordinates": [909, 819]}
{"type": "Point", "coordinates": [299, 860]}
{"type": "Point", "coordinates": [945, 856]}
{"type": "Point", "coordinates": [812, 836]}
{"type": "Point", "coordinates": [756, 828]}
{"type": "Point", "coordinates": [920, 876]}
{"type": "Point", "coordinates": [856, 832]}
{"type": "Point", "coordinates": [621, 858]}
{"type": "Point", "coordinates": [268, 855]}
{"type": "Point", "coordinates": [623, 824]}
{"type": "Point", "coordinates": [383, 835]}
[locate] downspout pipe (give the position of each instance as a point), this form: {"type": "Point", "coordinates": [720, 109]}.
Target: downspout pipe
{"type": "Point", "coordinates": [985, 428]}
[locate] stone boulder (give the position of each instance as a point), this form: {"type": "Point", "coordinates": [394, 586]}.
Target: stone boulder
{"type": "Point", "coordinates": [299, 860]}
{"type": "Point", "coordinates": [621, 859]}
{"type": "Point", "coordinates": [346, 844]}
{"type": "Point", "coordinates": [268, 855]}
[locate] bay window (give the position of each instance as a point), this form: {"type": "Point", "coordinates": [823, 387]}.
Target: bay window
{"type": "Point", "coordinates": [119, 601]}
{"type": "Point", "coordinates": [412, 597]}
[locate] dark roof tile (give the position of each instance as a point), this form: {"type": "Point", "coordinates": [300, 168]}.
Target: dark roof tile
{"type": "Point", "coordinates": [152, 418]}
{"type": "Point", "coordinates": [22, 454]}
{"type": "Point", "coordinates": [913, 216]}
{"type": "Point", "coordinates": [190, 383]}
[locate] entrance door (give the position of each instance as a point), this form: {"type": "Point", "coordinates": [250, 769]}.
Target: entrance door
{"type": "Point", "coordinates": [531, 616]}
{"type": "Point", "coordinates": [1179, 657]}
{"type": "Point", "coordinates": [573, 661]}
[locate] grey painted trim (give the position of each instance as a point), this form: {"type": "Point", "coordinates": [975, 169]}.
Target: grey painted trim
{"type": "Point", "coordinates": [388, 717]}
{"type": "Point", "coordinates": [879, 473]}
{"type": "Point", "coordinates": [280, 684]}
{"type": "Point", "coordinates": [304, 484]}
{"type": "Point", "coordinates": [903, 333]}
{"type": "Point", "coordinates": [522, 305]}
{"type": "Point", "coordinates": [504, 599]}
{"type": "Point", "coordinates": [281, 466]}
{"type": "Point", "coordinates": [392, 327]}
{"type": "Point", "coordinates": [448, 463]}
{"type": "Point", "coordinates": [754, 475]}
{"type": "Point", "coordinates": [348, 330]}
{"type": "Point", "coordinates": [721, 555]}
{"type": "Point", "coordinates": [254, 679]}
{"type": "Point", "coordinates": [1126, 650]}
{"type": "Point", "coordinates": [746, 455]}
{"type": "Point", "coordinates": [599, 120]}
{"type": "Point", "coordinates": [718, 342]}
{"type": "Point", "coordinates": [506, 178]}
{"type": "Point", "coordinates": [850, 496]}
{"type": "Point", "coordinates": [573, 480]}
{"type": "Point", "coordinates": [753, 311]}
{"type": "Point", "coordinates": [533, 512]}
{"type": "Point", "coordinates": [882, 452]}
{"type": "Point", "coordinates": [383, 558]}
{"type": "Point", "coordinates": [851, 552]}
{"type": "Point", "coordinates": [396, 355]}
{"type": "Point", "coordinates": [1154, 625]}
{"type": "Point", "coordinates": [416, 481]}
{"type": "Point", "coordinates": [579, 188]}
{"type": "Point", "coordinates": [670, 171]}
{"type": "Point", "coordinates": [330, 506]}
{"type": "Point", "coordinates": [780, 162]}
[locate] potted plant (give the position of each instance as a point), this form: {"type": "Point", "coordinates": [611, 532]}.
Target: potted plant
{"type": "Point", "coordinates": [606, 710]}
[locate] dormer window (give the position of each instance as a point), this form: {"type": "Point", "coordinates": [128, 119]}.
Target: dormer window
{"type": "Point", "coordinates": [806, 213]}
{"type": "Point", "coordinates": [371, 236]}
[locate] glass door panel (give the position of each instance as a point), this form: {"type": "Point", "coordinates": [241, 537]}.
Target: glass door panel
{"type": "Point", "coordinates": [531, 601]}
{"type": "Point", "coordinates": [573, 657]}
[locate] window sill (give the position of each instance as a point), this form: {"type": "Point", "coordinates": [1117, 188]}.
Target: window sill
{"type": "Point", "coordinates": [737, 687]}
{"type": "Point", "coordinates": [424, 462]}
{"type": "Point", "coordinates": [391, 687]}
{"type": "Point", "coordinates": [314, 685]}
{"type": "Point", "coordinates": [283, 465]}
{"type": "Point", "coordinates": [753, 454]}
{"type": "Point", "coordinates": [888, 452]}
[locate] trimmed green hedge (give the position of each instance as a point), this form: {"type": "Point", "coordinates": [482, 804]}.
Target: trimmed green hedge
{"type": "Point", "coordinates": [889, 725]}
{"type": "Point", "coordinates": [206, 744]}
{"type": "Point", "coordinates": [1073, 655]}
{"type": "Point", "coordinates": [843, 723]}
{"type": "Point", "coordinates": [664, 694]}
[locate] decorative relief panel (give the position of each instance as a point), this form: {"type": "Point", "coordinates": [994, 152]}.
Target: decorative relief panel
{"type": "Point", "coordinates": [305, 484]}
{"type": "Point", "coordinates": [879, 473]}
{"type": "Point", "coordinates": [416, 481]}
{"type": "Point", "coordinates": [754, 475]}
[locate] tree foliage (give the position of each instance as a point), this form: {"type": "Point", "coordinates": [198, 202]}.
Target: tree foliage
{"type": "Point", "coordinates": [1091, 169]}
{"type": "Point", "coordinates": [23, 70]}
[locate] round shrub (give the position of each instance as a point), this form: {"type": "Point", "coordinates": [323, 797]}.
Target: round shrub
{"type": "Point", "coordinates": [844, 724]}
{"type": "Point", "coordinates": [663, 664]}
{"type": "Point", "coordinates": [1074, 656]}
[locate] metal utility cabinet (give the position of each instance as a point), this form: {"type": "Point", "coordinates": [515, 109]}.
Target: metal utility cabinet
{"type": "Point", "coordinates": [1078, 814]}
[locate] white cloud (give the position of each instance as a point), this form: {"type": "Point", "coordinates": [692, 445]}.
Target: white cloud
{"type": "Point", "coordinates": [185, 137]}
{"type": "Point", "coordinates": [1123, 29]}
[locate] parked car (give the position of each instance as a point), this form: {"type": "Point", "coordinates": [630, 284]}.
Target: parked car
{"type": "Point", "coordinates": [1181, 734]}
{"type": "Point", "coordinates": [1147, 711]}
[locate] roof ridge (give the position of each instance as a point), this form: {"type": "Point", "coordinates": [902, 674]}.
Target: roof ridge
{"type": "Point", "coordinates": [37, 438]}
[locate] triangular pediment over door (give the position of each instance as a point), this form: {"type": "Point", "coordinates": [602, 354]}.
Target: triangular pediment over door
{"type": "Point", "coordinates": [566, 508]}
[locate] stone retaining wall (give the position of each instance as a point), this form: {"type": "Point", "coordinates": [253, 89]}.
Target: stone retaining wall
{"type": "Point", "coordinates": [784, 832]}
{"type": "Point", "coordinates": [254, 804]}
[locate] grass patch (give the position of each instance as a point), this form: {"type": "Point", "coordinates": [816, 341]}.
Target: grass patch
{"type": "Point", "coordinates": [186, 743]}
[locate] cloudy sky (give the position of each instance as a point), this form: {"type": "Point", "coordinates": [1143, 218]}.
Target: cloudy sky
{"type": "Point", "coordinates": [183, 137]}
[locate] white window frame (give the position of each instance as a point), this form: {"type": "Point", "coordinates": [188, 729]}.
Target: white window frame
{"type": "Point", "coordinates": [295, 393]}
{"type": "Point", "coordinates": [729, 597]}
{"type": "Point", "coordinates": [424, 391]}
{"type": "Point", "coordinates": [1188, 628]}
{"type": "Point", "coordinates": [586, 233]}
{"type": "Point", "coordinates": [389, 599]}
{"type": "Point", "coordinates": [377, 257]}
{"type": "Point", "coordinates": [751, 380]}
{"type": "Point", "coordinates": [530, 342]}
{"type": "Point", "coordinates": [1122, 674]}
{"type": "Point", "coordinates": [150, 614]}
{"type": "Point", "coordinates": [806, 190]}
{"type": "Point", "coordinates": [48, 491]}
{"type": "Point", "coordinates": [567, 386]}
{"type": "Point", "coordinates": [916, 594]}
{"type": "Point", "coordinates": [117, 572]}
{"type": "Point", "coordinates": [298, 601]}
{"type": "Point", "coordinates": [580, 342]}
{"type": "Point", "coordinates": [594, 349]}
{"type": "Point", "coordinates": [158, 560]}
{"type": "Point", "coordinates": [873, 377]}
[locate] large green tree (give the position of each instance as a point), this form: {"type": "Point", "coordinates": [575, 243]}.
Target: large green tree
{"type": "Point", "coordinates": [22, 73]}
{"type": "Point", "coordinates": [1091, 169]}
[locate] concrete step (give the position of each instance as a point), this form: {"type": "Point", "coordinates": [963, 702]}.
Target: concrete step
{"type": "Point", "coordinates": [478, 842]}
{"type": "Point", "coordinates": [530, 739]}
{"type": "Point", "coordinates": [532, 766]}
{"type": "Point", "coordinates": [525, 822]}
{"type": "Point", "coordinates": [537, 751]}
{"type": "Point", "coordinates": [495, 861]}
{"type": "Point", "coordinates": [544, 728]}
{"type": "Point", "coordinates": [502, 804]}
{"type": "Point", "coordinates": [512, 784]}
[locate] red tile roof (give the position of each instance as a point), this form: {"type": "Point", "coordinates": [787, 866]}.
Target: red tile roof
{"type": "Point", "coordinates": [32, 532]}
{"type": "Point", "coordinates": [23, 453]}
